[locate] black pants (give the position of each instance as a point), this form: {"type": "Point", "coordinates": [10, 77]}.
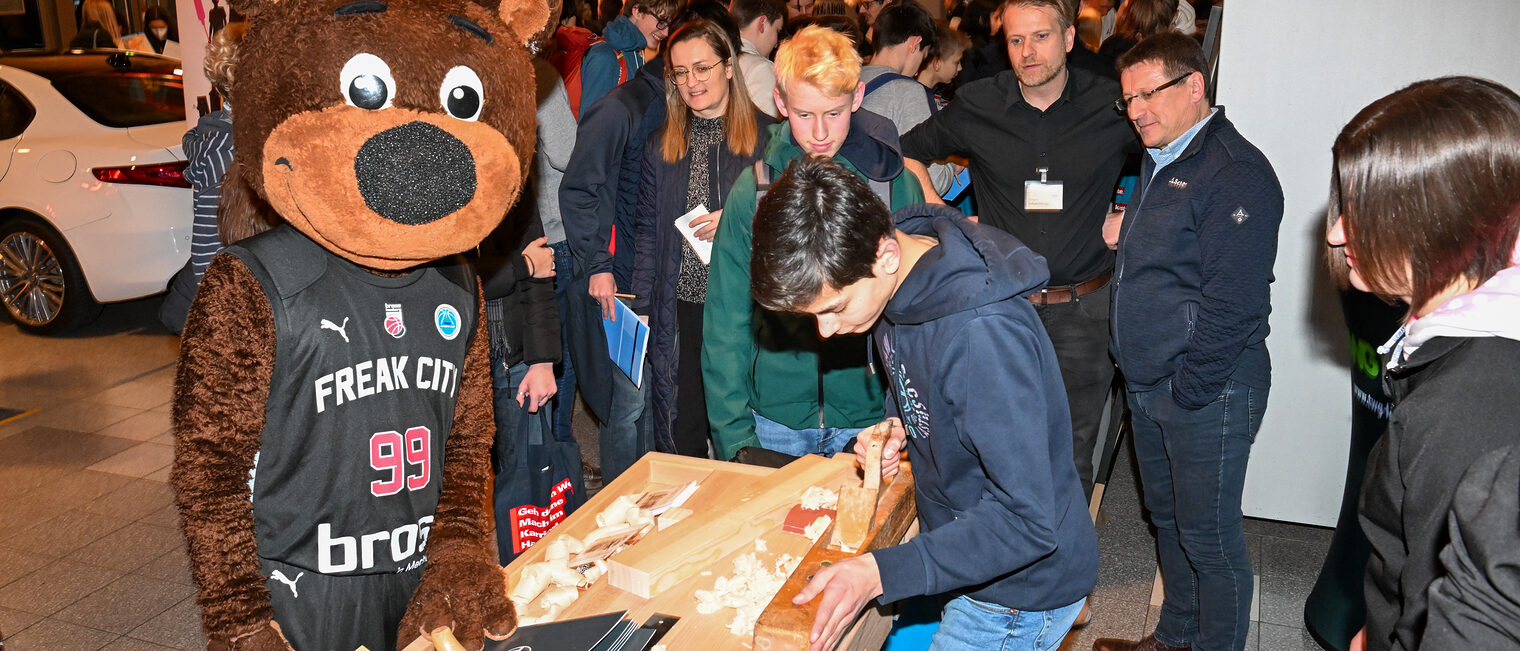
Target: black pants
{"type": "Point", "coordinates": [691, 431]}
{"type": "Point", "coordinates": [1079, 331]}
{"type": "Point", "coordinates": [321, 611]}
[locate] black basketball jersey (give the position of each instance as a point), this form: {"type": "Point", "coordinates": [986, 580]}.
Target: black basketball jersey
{"type": "Point", "coordinates": [366, 375]}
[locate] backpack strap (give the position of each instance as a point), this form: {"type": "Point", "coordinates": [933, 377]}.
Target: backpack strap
{"type": "Point", "coordinates": [882, 80]}
{"type": "Point", "coordinates": [622, 67]}
{"type": "Point", "coordinates": [883, 190]}
{"type": "Point", "coordinates": [762, 182]}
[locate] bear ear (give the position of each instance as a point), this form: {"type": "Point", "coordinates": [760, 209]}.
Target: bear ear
{"type": "Point", "coordinates": [524, 17]}
{"type": "Point", "coordinates": [541, 40]}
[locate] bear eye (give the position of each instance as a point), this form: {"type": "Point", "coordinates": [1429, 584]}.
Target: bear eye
{"type": "Point", "coordinates": [367, 83]}
{"type": "Point", "coordinates": [462, 93]}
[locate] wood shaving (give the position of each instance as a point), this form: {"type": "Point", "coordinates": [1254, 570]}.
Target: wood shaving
{"type": "Point", "coordinates": [747, 590]}
{"type": "Point", "coordinates": [815, 531]}
{"type": "Point", "coordinates": [818, 497]}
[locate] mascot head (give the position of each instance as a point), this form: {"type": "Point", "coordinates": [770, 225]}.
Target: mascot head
{"type": "Point", "coordinates": [392, 132]}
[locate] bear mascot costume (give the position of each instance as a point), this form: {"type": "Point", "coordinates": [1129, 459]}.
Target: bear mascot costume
{"type": "Point", "coordinates": [332, 407]}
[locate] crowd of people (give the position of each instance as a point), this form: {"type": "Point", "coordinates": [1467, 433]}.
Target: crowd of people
{"type": "Point", "coordinates": [813, 289]}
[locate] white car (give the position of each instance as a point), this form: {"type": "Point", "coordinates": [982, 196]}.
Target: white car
{"type": "Point", "coordinates": [94, 207]}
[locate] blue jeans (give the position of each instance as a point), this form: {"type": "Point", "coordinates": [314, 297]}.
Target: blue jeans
{"type": "Point", "coordinates": [972, 625]}
{"type": "Point", "coordinates": [628, 434]}
{"type": "Point", "coordinates": [564, 397]}
{"type": "Point", "coordinates": [826, 441]}
{"type": "Point", "coordinates": [1193, 468]}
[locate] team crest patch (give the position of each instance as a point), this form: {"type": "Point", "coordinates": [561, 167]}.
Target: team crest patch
{"type": "Point", "coordinates": [1240, 215]}
{"type": "Point", "coordinates": [393, 321]}
{"type": "Point", "coordinates": [446, 318]}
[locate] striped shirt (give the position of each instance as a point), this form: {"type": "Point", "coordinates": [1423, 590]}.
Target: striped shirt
{"type": "Point", "coordinates": [209, 149]}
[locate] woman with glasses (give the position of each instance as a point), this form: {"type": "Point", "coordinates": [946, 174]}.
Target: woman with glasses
{"type": "Point", "coordinates": [711, 134]}
{"type": "Point", "coordinates": [1425, 208]}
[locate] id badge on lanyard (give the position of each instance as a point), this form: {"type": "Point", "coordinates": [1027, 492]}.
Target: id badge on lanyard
{"type": "Point", "coordinates": [1043, 195]}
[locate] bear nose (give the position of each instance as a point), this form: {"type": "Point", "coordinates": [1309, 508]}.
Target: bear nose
{"type": "Point", "coordinates": [415, 173]}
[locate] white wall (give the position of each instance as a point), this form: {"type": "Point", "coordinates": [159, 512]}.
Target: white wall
{"type": "Point", "coordinates": [1291, 74]}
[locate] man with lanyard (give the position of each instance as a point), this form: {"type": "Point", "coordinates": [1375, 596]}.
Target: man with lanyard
{"type": "Point", "coordinates": [1046, 147]}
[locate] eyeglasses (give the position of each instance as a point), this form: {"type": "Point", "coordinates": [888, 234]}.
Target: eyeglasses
{"type": "Point", "coordinates": [1123, 102]}
{"type": "Point", "coordinates": [661, 23]}
{"type": "Point", "coordinates": [700, 72]}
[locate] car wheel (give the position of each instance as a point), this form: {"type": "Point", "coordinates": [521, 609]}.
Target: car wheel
{"type": "Point", "coordinates": [40, 282]}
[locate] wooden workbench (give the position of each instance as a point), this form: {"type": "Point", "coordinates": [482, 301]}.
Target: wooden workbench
{"type": "Point", "coordinates": [735, 506]}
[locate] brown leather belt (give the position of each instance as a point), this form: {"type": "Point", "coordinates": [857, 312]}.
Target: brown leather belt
{"type": "Point", "coordinates": [1068, 293]}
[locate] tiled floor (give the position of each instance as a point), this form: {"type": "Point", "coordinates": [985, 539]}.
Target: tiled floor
{"type": "Point", "coordinates": [91, 556]}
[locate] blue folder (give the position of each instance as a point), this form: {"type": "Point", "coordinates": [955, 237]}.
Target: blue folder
{"type": "Point", "coordinates": [627, 342]}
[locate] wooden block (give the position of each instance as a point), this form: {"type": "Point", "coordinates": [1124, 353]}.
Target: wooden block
{"type": "Point", "coordinates": [857, 504]}
{"type": "Point", "coordinates": [665, 558]}
{"type": "Point", "coordinates": [670, 517]}
{"type": "Point", "coordinates": [785, 625]}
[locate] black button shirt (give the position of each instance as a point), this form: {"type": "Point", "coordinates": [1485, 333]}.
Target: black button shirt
{"type": "Point", "coordinates": [1081, 138]}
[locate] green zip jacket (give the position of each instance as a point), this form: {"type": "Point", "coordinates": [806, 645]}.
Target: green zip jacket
{"type": "Point", "coordinates": [770, 363]}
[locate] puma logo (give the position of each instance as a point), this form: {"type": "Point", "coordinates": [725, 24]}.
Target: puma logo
{"type": "Point", "coordinates": [280, 576]}
{"type": "Point", "coordinates": [340, 329]}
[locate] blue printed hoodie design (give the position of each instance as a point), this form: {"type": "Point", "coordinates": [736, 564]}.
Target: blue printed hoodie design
{"type": "Point", "coordinates": [975, 378]}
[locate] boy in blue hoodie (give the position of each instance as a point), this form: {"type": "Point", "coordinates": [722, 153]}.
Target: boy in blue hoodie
{"type": "Point", "coordinates": [1005, 525]}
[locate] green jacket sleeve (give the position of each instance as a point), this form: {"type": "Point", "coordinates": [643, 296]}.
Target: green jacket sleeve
{"type": "Point", "coordinates": [906, 191]}
{"type": "Point", "coordinates": [728, 342]}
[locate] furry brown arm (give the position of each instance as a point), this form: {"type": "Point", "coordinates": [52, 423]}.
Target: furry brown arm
{"type": "Point", "coordinates": [220, 390]}
{"type": "Point", "coordinates": [462, 586]}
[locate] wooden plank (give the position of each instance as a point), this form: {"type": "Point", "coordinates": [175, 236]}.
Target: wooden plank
{"type": "Point", "coordinates": [785, 625]}
{"type": "Point", "coordinates": [666, 558]}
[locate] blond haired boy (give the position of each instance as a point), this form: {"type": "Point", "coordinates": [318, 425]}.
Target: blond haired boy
{"type": "Point", "coordinates": [769, 381]}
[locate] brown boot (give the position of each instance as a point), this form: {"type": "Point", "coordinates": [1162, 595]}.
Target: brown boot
{"type": "Point", "coordinates": [1147, 643]}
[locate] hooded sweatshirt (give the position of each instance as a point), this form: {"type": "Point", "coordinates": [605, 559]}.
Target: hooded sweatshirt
{"type": "Point", "coordinates": [1003, 515]}
{"type": "Point", "coordinates": [1452, 377]}
{"type": "Point", "coordinates": [771, 363]}
{"type": "Point", "coordinates": [600, 67]}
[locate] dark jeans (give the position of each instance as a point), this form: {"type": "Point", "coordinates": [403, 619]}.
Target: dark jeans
{"type": "Point", "coordinates": [1192, 469]}
{"type": "Point", "coordinates": [564, 397]}
{"type": "Point", "coordinates": [1079, 332]}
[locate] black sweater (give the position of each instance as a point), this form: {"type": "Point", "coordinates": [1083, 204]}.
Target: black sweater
{"type": "Point", "coordinates": [527, 323]}
{"type": "Point", "coordinates": [1455, 402]}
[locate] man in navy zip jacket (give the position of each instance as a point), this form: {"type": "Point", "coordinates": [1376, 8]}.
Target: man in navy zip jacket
{"type": "Point", "coordinates": [1005, 524]}
{"type": "Point", "coordinates": [1190, 304]}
